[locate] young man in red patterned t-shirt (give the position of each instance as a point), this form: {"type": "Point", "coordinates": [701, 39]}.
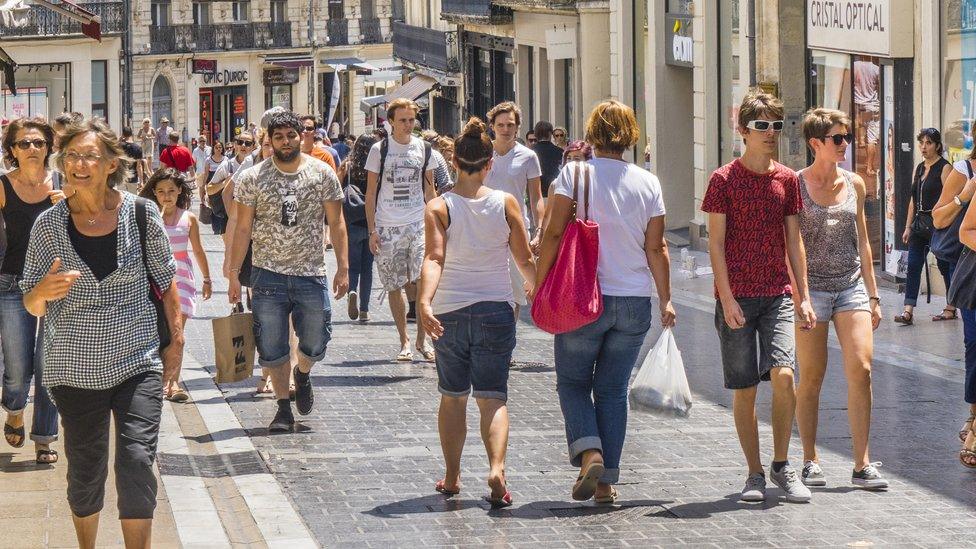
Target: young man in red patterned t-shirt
{"type": "Point", "coordinates": [753, 229]}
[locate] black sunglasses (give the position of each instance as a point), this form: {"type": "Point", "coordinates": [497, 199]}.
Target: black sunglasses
{"type": "Point", "coordinates": [25, 144]}
{"type": "Point", "coordinates": [838, 138]}
{"type": "Point", "coordinates": [244, 142]}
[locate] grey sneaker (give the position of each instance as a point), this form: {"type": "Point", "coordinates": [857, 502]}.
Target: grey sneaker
{"type": "Point", "coordinates": [812, 474]}
{"type": "Point", "coordinates": [789, 481]}
{"type": "Point", "coordinates": [755, 488]}
{"type": "Point", "coordinates": [869, 477]}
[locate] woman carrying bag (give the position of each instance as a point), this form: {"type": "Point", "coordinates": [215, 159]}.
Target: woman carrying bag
{"type": "Point", "coordinates": [594, 362]}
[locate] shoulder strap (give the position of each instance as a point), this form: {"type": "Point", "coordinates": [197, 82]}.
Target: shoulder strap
{"type": "Point", "coordinates": [142, 220]}
{"type": "Point", "coordinates": [969, 168]}
{"type": "Point", "coordinates": [576, 177]}
{"type": "Point", "coordinates": [384, 149]}
{"type": "Point", "coordinates": [427, 153]}
{"type": "Point", "coordinates": [586, 191]}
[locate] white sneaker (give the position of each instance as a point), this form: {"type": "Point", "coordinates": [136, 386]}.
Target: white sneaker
{"type": "Point", "coordinates": [812, 474]}
{"type": "Point", "coordinates": [789, 481]}
{"type": "Point", "coordinates": [869, 477]}
{"type": "Point", "coordinates": [755, 488]}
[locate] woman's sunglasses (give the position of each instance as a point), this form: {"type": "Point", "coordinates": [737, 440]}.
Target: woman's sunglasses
{"type": "Point", "coordinates": [765, 125]}
{"type": "Point", "coordinates": [244, 142]}
{"type": "Point", "coordinates": [838, 138]}
{"type": "Point", "coordinates": [25, 144]}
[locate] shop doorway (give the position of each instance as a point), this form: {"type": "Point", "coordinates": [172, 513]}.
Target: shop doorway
{"type": "Point", "coordinates": [223, 112]}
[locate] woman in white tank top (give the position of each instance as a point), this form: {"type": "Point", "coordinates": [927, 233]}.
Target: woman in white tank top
{"type": "Point", "coordinates": [466, 304]}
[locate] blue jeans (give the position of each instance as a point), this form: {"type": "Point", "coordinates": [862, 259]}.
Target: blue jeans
{"type": "Point", "coordinates": [593, 367]}
{"type": "Point", "coordinates": [360, 264]}
{"type": "Point", "coordinates": [969, 337]}
{"type": "Point", "coordinates": [917, 251]}
{"type": "Point", "coordinates": [306, 300]}
{"type": "Point", "coordinates": [23, 361]}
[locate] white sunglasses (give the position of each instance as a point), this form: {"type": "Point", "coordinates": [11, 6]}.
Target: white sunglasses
{"type": "Point", "coordinates": [765, 125]}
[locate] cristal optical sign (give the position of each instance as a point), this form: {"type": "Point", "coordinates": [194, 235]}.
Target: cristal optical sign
{"type": "Point", "coordinates": [878, 27]}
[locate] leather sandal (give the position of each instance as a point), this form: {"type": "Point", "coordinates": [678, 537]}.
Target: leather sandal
{"type": "Point", "coordinates": [966, 427]}
{"type": "Point", "coordinates": [906, 318]}
{"type": "Point", "coordinates": [8, 430]}
{"type": "Point", "coordinates": [585, 485]}
{"type": "Point", "coordinates": [953, 314]}
{"type": "Point", "coordinates": [46, 457]}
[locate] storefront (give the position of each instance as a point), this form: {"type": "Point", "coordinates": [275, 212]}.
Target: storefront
{"type": "Point", "coordinates": [223, 103]}
{"type": "Point", "coordinates": [489, 71]}
{"type": "Point", "coordinates": [278, 84]}
{"type": "Point", "coordinates": [42, 90]}
{"type": "Point", "coordinates": [959, 77]}
{"type": "Point", "coordinates": [861, 61]}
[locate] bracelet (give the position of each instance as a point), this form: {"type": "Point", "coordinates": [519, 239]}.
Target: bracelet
{"type": "Point", "coordinates": [207, 281]}
{"type": "Point", "coordinates": [237, 270]}
{"type": "Point", "coordinates": [878, 299]}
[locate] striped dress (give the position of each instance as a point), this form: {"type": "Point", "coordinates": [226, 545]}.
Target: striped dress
{"type": "Point", "coordinates": [179, 241]}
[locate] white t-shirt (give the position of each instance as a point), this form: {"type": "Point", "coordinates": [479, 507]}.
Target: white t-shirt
{"type": "Point", "coordinates": [960, 166]}
{"type": "Point", "coordinates": [401, 198]}
{"type": "Point", "coordinates": [623, 199]}
{"type": "Point", "coordinates": [201, 155]}
{"type": "Point", "coordinates": [512, 172]}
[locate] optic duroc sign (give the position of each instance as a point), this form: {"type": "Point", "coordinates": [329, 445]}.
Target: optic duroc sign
{"type": "Point", "coordinates": [880, 27]}
{"type": "Point", "coordinates": [226, 77]}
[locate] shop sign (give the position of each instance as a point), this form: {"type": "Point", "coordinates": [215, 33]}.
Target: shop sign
{"type": "Point", "coordinates": [226, 77]}
{"type": "Point", "coordinates": [280, 77]}
{"type": "Point", "coordinates": [879, 27]}
{"type": "Point", "coordinates": [204, 66]}
{"type": "Point", "coordinates": [561, 43]}
{"type": "Point", "coordinates": [679, 50]}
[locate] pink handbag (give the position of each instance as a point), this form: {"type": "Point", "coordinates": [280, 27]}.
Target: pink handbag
{"type": "Point", "coordinates": [570, 298]}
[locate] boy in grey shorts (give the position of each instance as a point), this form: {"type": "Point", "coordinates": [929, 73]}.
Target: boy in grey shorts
{"type": "Point", "coordinates": [753, 205]}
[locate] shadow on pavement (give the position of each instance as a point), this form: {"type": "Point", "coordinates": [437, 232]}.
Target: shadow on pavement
{"type": "Point", "coordinates": [438, 503]}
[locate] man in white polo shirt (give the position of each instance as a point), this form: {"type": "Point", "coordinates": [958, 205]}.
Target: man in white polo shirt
{"type": "Point", "coordinates": [515, 170]}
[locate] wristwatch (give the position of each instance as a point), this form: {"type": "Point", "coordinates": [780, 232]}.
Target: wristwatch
{"type": "Point", "coordinates": [878, 299]}
{"type": "Point", "coordinates": [959, 201]}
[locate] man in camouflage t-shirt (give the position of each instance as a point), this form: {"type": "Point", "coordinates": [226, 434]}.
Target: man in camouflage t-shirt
{"type": "Point", "coordinates": [283, 205]}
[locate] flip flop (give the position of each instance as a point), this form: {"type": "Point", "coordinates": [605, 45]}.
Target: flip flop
{"type": "Point", "coordinates": [500, 503]}
{"type": "Point", "coordinates": [953, 314]}
{"type": "Point", "coordinates": [178, 396]}
{"type": "Point", "coordinates": [427, 352]}
{"type": "Point", "coordinates": [585, 485]}
{"type": "Point", "coordinates": [609, 499]}
{"type": "Point", "coordinates": [51, 457]}
{"type": "Point", "coordinates": [265, 387]}
{"type": "Point", "coordinates": [17, 432]}
{"type": "Point", "coordinates": [440, 487]}
{"type": "Point", "coordinates": [404, 356]}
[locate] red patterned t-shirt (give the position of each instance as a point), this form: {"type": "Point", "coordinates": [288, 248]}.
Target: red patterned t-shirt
{"type": "Point", "coordinates": [755, 207]}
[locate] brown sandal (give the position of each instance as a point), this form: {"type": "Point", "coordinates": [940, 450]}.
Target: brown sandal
{"type": "Point", "coordinates": [966, 427]}
{"type": "Point", "coordinates": [906, 318]}
{"type": "Point", "coordinates": [953, 314]}
{"type": "Point", "coordinates": [967, 456]}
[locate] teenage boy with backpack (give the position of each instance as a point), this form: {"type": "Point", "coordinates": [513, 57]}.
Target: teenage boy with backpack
{"type": "Point", "coordinates": [753, 226]}
{"type": "Point", "coordinates": [399, 182]}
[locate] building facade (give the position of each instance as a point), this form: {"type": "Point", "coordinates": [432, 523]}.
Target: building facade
{"type": "Point", "coordinates": [212, 68]}
{"type": "Point", "coordinates": [59, 69]}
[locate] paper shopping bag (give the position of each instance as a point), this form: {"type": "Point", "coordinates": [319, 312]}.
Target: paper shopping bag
{"type": "Point", "coordinates": [234, 347]}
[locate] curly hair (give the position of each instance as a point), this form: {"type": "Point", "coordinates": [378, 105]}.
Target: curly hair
{"type": "Point", "coordinates": [10, 136]}
{"type": "Point", "coordinates": [358, 156]}
{"type": "Point", "coordinates": [110, 145]}
{"type": "Point", "coordinates": [178, 179]}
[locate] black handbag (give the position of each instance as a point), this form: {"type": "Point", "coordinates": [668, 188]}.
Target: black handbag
{"type": "Point", "coordinates": [962, 289]}
{"type": "Point", "coordinates": [155, 293]}
{"type": "Point", "coordinates": [922, 224]}
{"type": "Point", "coordinates": [353, 202]}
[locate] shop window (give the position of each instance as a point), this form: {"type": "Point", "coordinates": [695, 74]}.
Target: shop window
{"type": "Point", "coordinates": [277, 96]}
{"type": "Point", "coordinates": [159, 12]}
{"type": "Point", "coordinates": [368, 8]}
{"type": "Point", "coordinates": [958, 77]}
{"type": "Point", "coordinates": [241, 11]}
{"type": "Point", "coordinates": [279, 11]}
{"type": "Point", "coordinates": [42, 90]}
{"type": "Point", "coordinates": [336, 10]}
{"type": "Point", "coordinates": [99, 89]}
{"type": "Point", "coordinates": [201, 13]}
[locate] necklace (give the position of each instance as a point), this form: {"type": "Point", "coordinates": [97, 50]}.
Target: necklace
{"type": "Point", "coordinates": [91, 220]}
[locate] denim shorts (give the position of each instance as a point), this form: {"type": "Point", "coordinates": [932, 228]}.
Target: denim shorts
{"type": "Point", "coordinates": [766, 341]}
{"type": "Point", "coordinates": [827, 304]}
{"type": "Point", "coordinates": [306, 300]}
{"type": "Point", "coordinates": [475, 350]}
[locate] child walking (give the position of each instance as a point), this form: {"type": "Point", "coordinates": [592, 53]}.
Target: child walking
{"type": "Point", "coordinates": [172, 193]}
{"type": "Point", "coordinates": [467, 305]}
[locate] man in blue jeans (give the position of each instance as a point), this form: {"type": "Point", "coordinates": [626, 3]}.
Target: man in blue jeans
{"type": "Point", "coordinates": [283, 205]}
{"type": "Point", "coordinates": [753, 205]}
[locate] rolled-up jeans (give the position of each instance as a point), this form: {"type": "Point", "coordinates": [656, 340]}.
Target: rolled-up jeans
{"type": "Point", "coordinates": [593, 367]}
{"type": "Point", "coordinates": [918, 250]}
{"type": "Point", "coordinates": [23, 361]}
{"type": "Point", "coordinates": [360, 264]}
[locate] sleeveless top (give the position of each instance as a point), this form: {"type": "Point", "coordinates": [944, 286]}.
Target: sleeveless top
{"type": "Point", "coordinates": [477, 253]}
{"type": "Point", "coordinates": [830, 237]}
{"type": "Point", "coordinates": [19, 217]}
{"type": "Point", "coordinates": [179, 241]}
{"type": "Point", "coordinates": [211, 166]}
{"type": "Point", "coordinates": [926, 192]}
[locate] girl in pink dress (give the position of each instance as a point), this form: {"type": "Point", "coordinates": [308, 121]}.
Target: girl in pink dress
{"type": "Point", "coordinates": [170, 190]}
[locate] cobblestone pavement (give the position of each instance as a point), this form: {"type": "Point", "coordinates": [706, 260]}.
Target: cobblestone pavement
{"type": "Point", "coordinates": [361, 471]}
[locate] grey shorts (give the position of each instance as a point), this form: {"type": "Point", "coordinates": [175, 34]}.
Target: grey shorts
{"type": "Point", "coordinates": [766, 341]}
{"type": "Point", "coordinates": [401, 255]}
{"type": "Point", "coordinates": [827, 304]}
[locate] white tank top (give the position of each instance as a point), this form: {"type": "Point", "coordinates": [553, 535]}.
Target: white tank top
{"type": "Point", "coordinates": [477, 253]}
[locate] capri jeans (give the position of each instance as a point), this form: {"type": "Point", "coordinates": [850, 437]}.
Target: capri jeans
{"type": "Point", "coordinates": [593, 367]}
{"type": "Point", "coordinates": [360, 264]}
{"type": "Point", "coordinates": [136, 404]}
{"type": "Point", "coordinates": [918, 250]}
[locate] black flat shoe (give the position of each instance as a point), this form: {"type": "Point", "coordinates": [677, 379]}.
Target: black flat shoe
{"type": "Point", "coordinates": [282, 423]}
{"type": "Point", "coordinates": [304, 399]}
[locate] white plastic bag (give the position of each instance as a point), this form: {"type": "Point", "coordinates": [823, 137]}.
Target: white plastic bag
{"type": "Point", "coordinates": [661, 387]}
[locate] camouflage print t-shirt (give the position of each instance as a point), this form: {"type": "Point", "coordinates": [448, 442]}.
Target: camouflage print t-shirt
{"type": "Point", "coordinates": [289, 217]}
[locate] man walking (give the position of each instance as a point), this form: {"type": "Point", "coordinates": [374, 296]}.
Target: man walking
{"type": "Point", "coordinates": [753, 225]}
{"type": "Point", "coordinates": [175, 155]}
{"type": "Point", "coordinates": [282, 205]}
{"type": "Point", "coordinates": [550, 156]}
{"type": "Point", "coordinates": [399, 182]}
{"type": "Point", "coordinates": [200, 155]}
{"type": "Point", "coordinates": [134, 151]}
{"type": "Point", "coordinates": [515, 170]}
{"type": "Point", "coordinates": [162, 134]}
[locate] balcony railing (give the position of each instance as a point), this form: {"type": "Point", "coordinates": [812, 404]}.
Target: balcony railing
{"type": "Point", "coordinates": [231, 36]}
{"type": "Point", "coordinates": [338, 30]}
{"type": "Point", "coordinates": [44, 22]}
{"type": "Point", "coordinates": [541, 4]}
{"type": "Point", "coordinates": [426, 47]}
{"type": "Point", "coordinates": [475, 10]}
{"type": "Point", "coordinates": [370, 31]}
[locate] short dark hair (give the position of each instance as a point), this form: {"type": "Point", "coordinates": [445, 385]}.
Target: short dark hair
{"type": "Point", "coordinates": [69, 118]}
{"type": "Point", "coordinates": [309, 117]}
{"type": "Point", "coordinates": [18, 124]}
{"type": "Point", "coordinates": [934, 135]}
{"type": "Point", "coordinates": [126, 132]}
{"type": "Point", "coordinates": [284, 119]}
{"type": "Point", "coordinates": [543, 130]}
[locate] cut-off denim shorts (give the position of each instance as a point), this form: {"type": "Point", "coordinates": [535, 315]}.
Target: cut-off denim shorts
{"type": "Point", "coordinates": [475, 350]}
{"type": "Point", "coordinates": [766, 341]}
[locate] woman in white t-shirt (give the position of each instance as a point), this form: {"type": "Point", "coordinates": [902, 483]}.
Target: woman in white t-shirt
{"type": "Point", "coordinates": [594, 363]}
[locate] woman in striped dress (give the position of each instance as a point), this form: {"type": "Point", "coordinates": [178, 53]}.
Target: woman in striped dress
{"type": "Point", "coordinates": [171, 192]}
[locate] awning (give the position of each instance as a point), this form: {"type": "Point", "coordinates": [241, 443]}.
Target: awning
{"type": "Point", "coordinates": [91, 24]}
{"type": "Point", "coordinates": [384, 76]}
{"type": "Point", "coordinates": [371, 102]}
{"type": "Point", "coordinates": [417, 86]}
{"type": "Point", "coordinates": [349, 63]}
{"type": "Point", "coordinates": [290, 61]}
